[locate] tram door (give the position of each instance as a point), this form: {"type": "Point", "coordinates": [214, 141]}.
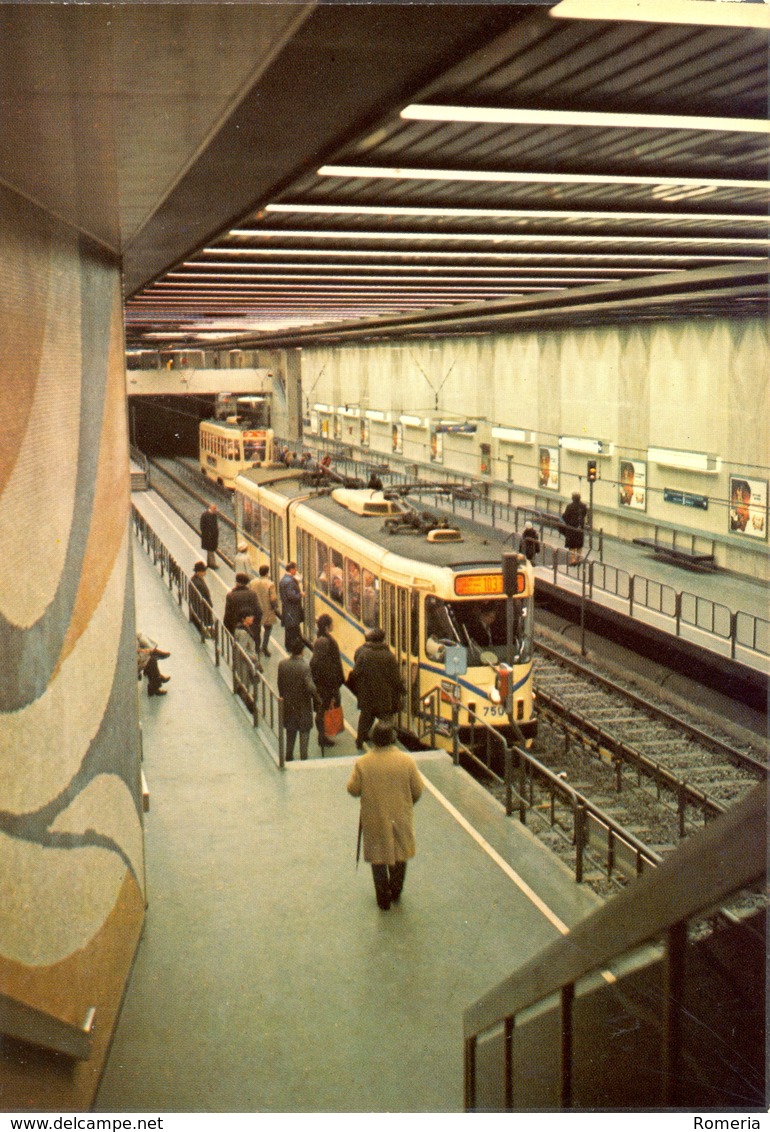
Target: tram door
{"type": "Point", "coordinates": [399, 607]}
{"type": "Point", "coordinates": [275, 544]}
{"type": "Point", "coordinates": [306, 567]}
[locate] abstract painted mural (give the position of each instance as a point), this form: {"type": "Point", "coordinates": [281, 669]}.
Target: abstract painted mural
{"type": "Point", "coordinates": [71, 836]}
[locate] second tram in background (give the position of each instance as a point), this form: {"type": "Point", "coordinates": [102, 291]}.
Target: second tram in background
{"type": "Point", "coordinates": [373, 561]}
{"type": "Point", "coordinates": [242, 439]}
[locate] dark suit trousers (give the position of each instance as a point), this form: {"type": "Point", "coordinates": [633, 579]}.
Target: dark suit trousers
{"type": "Point", "coordinates": [388, 882]}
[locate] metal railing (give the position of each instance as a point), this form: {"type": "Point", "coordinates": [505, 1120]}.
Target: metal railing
{"type": "Point", "coordinates": [525, 779]}
{"type": "Point", "coordinates": [654, 1001]}
{"type": "Point", "coordinates": [249, 683]}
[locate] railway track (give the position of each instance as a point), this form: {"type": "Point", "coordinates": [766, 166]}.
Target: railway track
{"type": "Point", "coordinates": [641, 774]}
{"type": "Point", "coordinates": [181, 485]}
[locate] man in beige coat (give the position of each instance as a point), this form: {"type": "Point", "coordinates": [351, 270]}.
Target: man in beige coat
{"type": "Point", "coordinates": [264, 588]}
{"type": "Point", "coordinates": [388, 783]}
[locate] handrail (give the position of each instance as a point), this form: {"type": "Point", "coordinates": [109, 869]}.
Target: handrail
{"type": "Point", "coordinates": [586, 817]}
{"type": "Point", "coordinates": [729, 855]}
{"type": "Point", "coordinates": [265, 704]}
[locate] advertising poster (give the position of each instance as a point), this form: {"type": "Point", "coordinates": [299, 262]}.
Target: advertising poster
{"type": "Point", "coordinates": [436, 447]}
{"type": "Point", "coordinates": [548, 468]}
{"type": "Point", "coordinates": [748, 507]}
{"type": "Point", "coordinates": [485, 466]}
{"type": "Point", "coordinates": [632, 484]}
{"type": "Point", "coordinates": [398, 438]}
{"type": "Point", "coordinates": [325, 426]}
{"type": "Point", "coordinates": [364, 432]}
{"type": "Point", "coordinates": [313, 421]}
{"type": "Point", "coordinates": [337, 427]}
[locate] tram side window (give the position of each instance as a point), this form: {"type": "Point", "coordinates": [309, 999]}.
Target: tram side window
{"type": "Point", "coordinates": [247, 514]}
{"type": "Point", "coordinates": [336, 590]}
{"type": "Point", "coordinates": [322, 567]}
{"type": "Point", "coordinates": [353, 588]}
{"type": "Point", "coordinates": [264, 523]}
{"type": "Point", "coordinates": [371, 599]}
{"type": "Point", "coordinates": [232, 449]}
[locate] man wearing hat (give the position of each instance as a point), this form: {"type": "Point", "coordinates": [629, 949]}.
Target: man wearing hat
{"type": "Point", "coordinates": [387, 781]}
{"type": "Point", "coordinates": [376, 683]}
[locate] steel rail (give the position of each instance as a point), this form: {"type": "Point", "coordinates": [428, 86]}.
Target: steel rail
{"type": "Point", "coordinates": [710, 742]}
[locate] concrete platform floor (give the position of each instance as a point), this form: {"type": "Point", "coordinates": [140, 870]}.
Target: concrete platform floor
{"type": "Point", "coordinates": [268, 980]}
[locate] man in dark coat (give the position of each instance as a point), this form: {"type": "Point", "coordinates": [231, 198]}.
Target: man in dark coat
{"type": "Point", "coordinates": [292, 614]}
{"type": "Point", "coordinates": [326, 670]}
{"type": "Point", "coordinates": [210, 535]}
{"type": "Point", "coordinates": [299, 695]}
{"type": "Point", "coordinates": [201, 605]}
{"type": "Point", "coordinates": [376, 683]}
{"type": "Point", "coordinates": [241, 601]}
{"type": "Point", "coordinates": [574, 518]}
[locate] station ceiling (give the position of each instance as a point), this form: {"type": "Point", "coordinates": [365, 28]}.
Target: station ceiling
{"type": "Point", "coordinates": [286, 173]}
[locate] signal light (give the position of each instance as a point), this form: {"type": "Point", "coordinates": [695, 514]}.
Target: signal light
{"type": "Point", "coordinates": [592, 471]}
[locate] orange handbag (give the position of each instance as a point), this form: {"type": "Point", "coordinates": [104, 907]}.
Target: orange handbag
{"type": "Point", "coordinates": [334, 721]}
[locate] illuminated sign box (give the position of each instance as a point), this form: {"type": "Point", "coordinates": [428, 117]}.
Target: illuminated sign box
{"type": "Point", "coordinates": [513, 435]}
{"type": "Point", "coordinates": [690, 461]}
{"type": "Point", "coordinates": [586, 444]}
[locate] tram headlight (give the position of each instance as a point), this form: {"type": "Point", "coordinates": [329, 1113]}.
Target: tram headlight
{"type": "Point", "coordinates": [494, 696]}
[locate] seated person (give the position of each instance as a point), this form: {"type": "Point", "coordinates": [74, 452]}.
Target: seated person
{"type": "Point", "coordinates": [147, 654]}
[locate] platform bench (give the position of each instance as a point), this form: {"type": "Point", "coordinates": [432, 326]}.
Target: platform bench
{"type": "Point", "coordinates": [680, 555]}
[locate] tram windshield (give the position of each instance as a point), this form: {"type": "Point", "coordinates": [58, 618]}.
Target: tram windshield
{"type": "Point", "coordinates": [481, 627]}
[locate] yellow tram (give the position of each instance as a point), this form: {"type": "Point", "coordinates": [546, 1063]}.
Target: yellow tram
{"type": "Point", "coordinates": [360, 562]}
{"type": "Point", "coordinates": [227, 448]}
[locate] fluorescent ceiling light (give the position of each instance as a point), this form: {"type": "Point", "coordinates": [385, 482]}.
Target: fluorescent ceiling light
{"type": "Point", "coordinates": [378, 415]}
{"type": "Point", "coordinates": [376, 172]}
{"type": "Point", "coordinates": [504, 257]}
{"type": "Point", "coordinates": [521, 116]}
{"type": "Point", "coordinates": [402, 273]}
{"type": "Point", "coordinates": [490, 278]}
{"type": "Point", "coordinates": [514, 213]}
{"type": "Point", "coordinates": [699, 12]}
{"type": "Point", "coordinates": [413, 422]}
{"type": "Point", "coordinates": [498, 237]}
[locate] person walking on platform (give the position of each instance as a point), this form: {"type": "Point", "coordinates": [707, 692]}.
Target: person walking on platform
{"type": "Point", "coordinates": [375, 682]}
{"type": "Point", "coordinates": [328, 677]}
{"type": "Point", "coordinates": [388, 783]}
{"type": "Point", "coordinates": [529, 544]}
{"type": "Point", "coordinates": [292, 613]}
{"type": "Point", "coordinates": [244, 638]}
{"type": "Point", "coordinates": [210, 535]}
{"type": "Point", "coordinates": [201, 605]}
{"type": "Point", "coordinates": [264, 587]}
{"type": "Point", "coordinates": [574, 519]}
{"type": "Point", "coordinates": [242, 600]}
{"type": "Point", "coordinates": [147, 656]}
{"type": "Point", "coordinates": [242, 562]}
{"type": "Point", "coordinates": [296, 688]}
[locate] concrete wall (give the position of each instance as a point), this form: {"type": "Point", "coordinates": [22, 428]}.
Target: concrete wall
{"type": "Point", "coordinates": [71, 837]}
{"type": "Point", "coordinates": [183, 380]}
{"type": "Point", "coordinates": [700, 386]}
